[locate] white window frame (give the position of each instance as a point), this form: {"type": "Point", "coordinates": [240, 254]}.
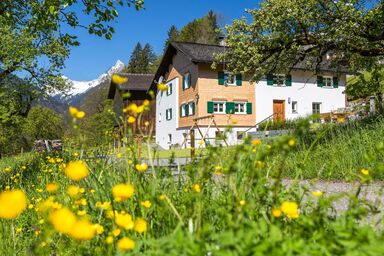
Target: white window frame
{"type": "Point", "coordinates": [294, 109]}
{"type": "Point", "coordinates": [169, 90]}
{"type": "Point", "coordinates": [190, 108]}
{"type": "Point", "coordinates": [279, 77]}
{"type": "Point", "coordinates": [224, 107]}
{"type": "Point", "coordinates": [319, 103]}
{"type": "Point", "coordinates": [244, 107]}
{"type": "Point", "coordinates": [185, 84]}
{"type": "Point", "coordinates": [182, 106]}
{"type": "Point", "coordinates": [168, 114]}
{"type": "Point", "coordinates": [330, 79]}
{"type": "Point", "coordinates": [228, 75]}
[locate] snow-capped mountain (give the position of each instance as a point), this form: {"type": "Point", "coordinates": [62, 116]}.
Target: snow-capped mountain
{"type": "Point", "coordinates": [79, 87]}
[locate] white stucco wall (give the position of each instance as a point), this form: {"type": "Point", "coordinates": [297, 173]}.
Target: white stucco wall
{"type": "Point", "coordinates": [304, 90]}
{"type": "Point", "coordinates": [165, 127]}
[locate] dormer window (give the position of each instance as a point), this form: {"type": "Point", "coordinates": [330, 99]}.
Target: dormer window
{"type": "Point", "coordinates": [186, 81]}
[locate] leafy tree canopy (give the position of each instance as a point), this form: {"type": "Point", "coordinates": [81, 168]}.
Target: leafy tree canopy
{"type": "Point", "coordinates": [282, 33]}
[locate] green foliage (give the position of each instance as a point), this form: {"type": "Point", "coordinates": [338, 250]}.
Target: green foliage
{"type": "Point", "coordinates": [142, 60]}
{"type": "Point", "coordinates": [282, 33]}
{"type": "Point", "coordinates": [203, 30]}
{"type": "Point", "coordinates": [173, 34]}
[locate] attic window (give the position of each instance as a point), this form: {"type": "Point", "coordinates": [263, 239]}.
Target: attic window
{"type": "Point", "coordinates": [187, 81]}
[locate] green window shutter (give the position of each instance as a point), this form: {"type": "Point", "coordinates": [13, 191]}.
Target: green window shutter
{"type": "Point", "coordinates": [335, 82]}
{"type": "Point", "coordinates": [220, 75]}
{"type": "Point", "coordinates": [210, 107]}
{"type": "Point", "coordinates": [270, 79]}
{"type": "Point", "coordinates": [183, 84]}
{"type": "Point", "coordinates": [193, 108]}
{"type": "Point", "coordinates": [288, 80]}
{"type": "Point", "coordinates": [249, 107]}
{"type": "Point", "coordinates": [229, 107]}
{"type": "Point", "coordinates": [170, 114]}
{"type": "Point", "coordinates": [239, 79]}
{"type": "Point", "coordinates": [166, 114]}
{"type": "Point", "coordinates": [320, 81]}
{"type": "Point", "coordinates": [186, 106]}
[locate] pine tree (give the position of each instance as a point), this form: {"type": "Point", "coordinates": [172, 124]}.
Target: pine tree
{"type": "Point", "coordinates": [173, 35]}
{"type": "Point", "coordinates": [134, 61]}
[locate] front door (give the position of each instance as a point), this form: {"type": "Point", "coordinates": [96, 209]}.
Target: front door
{"type": "Point", "coordinates": [279, 110]}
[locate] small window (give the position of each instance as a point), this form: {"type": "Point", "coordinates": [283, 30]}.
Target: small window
{"type": "Point", "coordinates": [240, 108]}
{"type": "Point", "coordinates": [187, 81]}
{"type": "Point", "coordinates": [182, 109]}
{"type": "Point", "coordinates": [169, 138]}
{"type": "Point", "coordinates": [191, 108]}
{"type": "Point", "coordinates": [294, 107]}
{"type": "Point", "coordinates": [328, 81]}
{"type": "Point", "coordinates": [169, 91]}
{"type": "Point", "coordinates": [229, 79]}
{"type": "Point", "coordinates": [316, 108]}
{"type": "Point", "coordinates": [219, 107]}
{"type": "Point", "coordinates": [240, 135]}
{"type": "Point", "coordinates": [168, 114]}
{"type": "Point", "coordinates": [279, 80]}
{"type": "Point", "coordinates": [219, 135]}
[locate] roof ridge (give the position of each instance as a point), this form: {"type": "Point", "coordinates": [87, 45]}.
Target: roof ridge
{"type": "Point", "coordinates": [134, 74]}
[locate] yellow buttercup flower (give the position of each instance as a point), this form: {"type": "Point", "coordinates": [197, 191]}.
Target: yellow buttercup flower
{"type": "Point", "coordinates": [125, 244]}
{"type": "Point", "coordinates": [146, 103]}
{"type": "Point", "coordinates": [116, 79]}
{"type": "Point", "coordinates": [99, 229]}
{"type": "Point", "coordinates": [291, 142]}
{"type": "Point", "coordinates": [256, 142]}
{"type": "Point", "coordinates": [162, 87]}
{"type": "Point", "coordinates": [116, 232]}
{"type": "Point", "coordinates": [122, 192]}
{"type": "Point", "coordinates": [76, 170]}
{"type": "Point", "coordinates": [365, 172]}
{"type": "Point", "coordinates": [141, 167]}
{"type": "Point", "coordinates": [73, 111]}
{"type": "Point", "coordinates": [109, 240]}
{"type": "Point", "coordinates": [242, 202]}
{"type": "Point", "coordinates": [62, 220]}
{"type": "Point", "coordinates": [81, 212]}
{"type": "Point", "coordinates": [162, 197]}
{"type": "Point", "coordinates": [80, 114]}
{"type": "Point", "coordinates": [317, 193]}
{"type": "Point", "coordinates": [83, 230]}
{"type": "Point", "coordinates": [140, 225]}
{"type": "Point", "coordinates": [196, 188]}
{"type": "Point", "coordinates": [146, 204]}
{"type": "Point", "coordinates": [52, 187]}
{"type": "Point", "coordinates": [276, 212]}
{"type": "Point", "coordinates": [72, 190]}
{"type": "Point", "coordinates": [124, 220]}
{"type": "Point", "coordinates": [290, 209]}
{"type": "Point", "coordinates": [131, 119]}
{"type": "Point", "coordinates": [12, 203]}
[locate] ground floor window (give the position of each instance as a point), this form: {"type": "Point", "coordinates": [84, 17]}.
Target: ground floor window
{"type": "Point", "coordinates": [170, 138]}
{"type": "Point", "coordinates": [316, 108]}
{"type": "Point", "coordinates": [294, 107]}
{"type": "Point", "coordinates": [240, 108]}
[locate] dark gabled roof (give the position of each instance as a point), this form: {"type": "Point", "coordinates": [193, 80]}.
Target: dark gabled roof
{"type": "Point", "coordinates": [205, 53]}
{"type": "Point", "coordinates": [136, 82]}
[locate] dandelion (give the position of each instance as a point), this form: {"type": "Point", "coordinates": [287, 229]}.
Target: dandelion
{"type": "Point", "coordinates": [99, 229]}
{"type": "Point", "coordinates": [72, 190]}
{"type": "Point", "coordinates": [125, 244]}
{"type": "Point", "coordinates": [83, 230]}
{"type": "Point", "coordinates": [81, 212]}
{"type": "Point", "coordinates": [146, 103]}
{"type": "Point", "coordinates": [13, 203]}
{"type": "Point", "coordinates": [256, 142]}
{"type": "Point", "coordinates": [116, 79]}
{"type": "Point", "coordinates": [291, 142]}
{"type": "Point", "coordinates": [41, 221]}
{"type": "Point", "coordinates": [80, 114]}
{"type": "Point", "coordinates": [116, 232]}
{"type": "Point", "coordinates": [122, 192]}
{"type": "Point", "coordinates": [109, 240]}
{"type": "Point", "coordinates": [73, 111]}
{"type": "Point", "coordinates": [141, 167]}
{"type": "Point", "coordinates": [196, 188]}
{"type": "Point", "coordinates": [317, 193]}
{"type": "Point", "coordinates": [131, 119]}
{"type": "Point", "coordinates": [140, 226]}
{"type": "Point", "coordinates": [51, 187]}
{"type": "Point", "coordinates": [290, 209]}
{"type": "Point", "coordinates": [146, 204]}
{"type": "Point", "coordinates": [162, 197]}
{"type": "Point", "coordinates": [19, 230]}
{"type": "Point", "coordinates": [242, 202]}
{"type": "Point", "coordinates": [119, 155]}
{"type": "Point", "coordinates": [124, 220]}
{"type": "Point", "coordinates": [62, 220]}
{"type": "Point", "coordinates": [365, 172]}
{"type": "Point", "coordinates": [76, 170]}
{"type": "Point", "coordinates": [276, 212]}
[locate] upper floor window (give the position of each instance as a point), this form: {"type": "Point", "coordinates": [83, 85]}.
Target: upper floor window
{"type": "Point", "coordinates": [187, 109]}
{"type": "Point", "coordinates": [227, 78]}
{"type": "Point", "coordinates": [279, 80]}
{"type": "Point", "coordinates": [240, 108]}
{"type": "Point", "coordinates": [168, 114]}
{"type": "Point", "coordinates": [169, 90]}
{"type": "Point", "coordinates": [186, 81]}
{"type": "Point", "coordinates": [219, 107]}
{"type": "Point", "coordinates": [327, 81]}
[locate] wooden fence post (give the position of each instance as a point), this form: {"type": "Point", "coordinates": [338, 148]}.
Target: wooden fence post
{"type": "Point", "coordinates": [192, 133]}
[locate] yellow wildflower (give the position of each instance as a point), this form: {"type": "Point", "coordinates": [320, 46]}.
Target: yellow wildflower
{"type": "Point", "coordinates": [196, 188]}
{"type": "Point", "coordinates": [125, 244]}
{"type": "Point", "coordinates": [13, 203]}
{"type": "Point", "coordinates": [276, 212]}
{"type": "Point", "coordinates": [62, 220]}
{"type": "Point", "coordinates": [131, 119]}
{"type": "Point", "coordinates": [81, 212]}
{"type": "Point", "coordinates": [146, 204]}
{"type": "Point", "coordinates": [116, 232]}
{"type": "Point", "coordinates": [256, 142]}
{"type": "Point", "coordinates": [117, 79]}
{"type": "Point", "coordinates": [290, 209]}
{"type": "Point", "coordinates": [162, 87]}
{"type": "Point", "coordinates": [109, 240]}
{"type": "Point", "coordinates": [80, 114]}
{"type": "Point", "coordinates": [76, 170]}
{"type": "Point", "coordinates": [99, 229]}
{"type": "Point", "coordinates": [140, 225]}
{"type": "Point", "coordinates": [122, 192]}
{"type": "Point", "coordinates": [242, 202]}
{"type": "Point", "coordinates": [119, 155]}
{"type": "Point", "coordinates": [141, 167]}
{"type": "Point", "coordinates": [124, 220]}
{"type": "Point", "coordinates": [146, 103]}
{"type": "Point", "coordinates": [291, 142]}
{"type": "Point", "coordinates": [317, 193]}
{"type": "Point", "coordinates": [365, 172]}
{"type": "Point", "coordinates": [83, 230]}
{"type": "Point", "coordinates": [73, 111]}
{"type": "Point", "coordinates": [72, 190]}
{"type": "Point", "coordinates": [162, 197]}
{"type": "Point", "coordinates": [51, 187]}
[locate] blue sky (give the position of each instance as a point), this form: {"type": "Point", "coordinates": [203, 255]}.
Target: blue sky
{"type": "Point", "coordinates": [95, 55]}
